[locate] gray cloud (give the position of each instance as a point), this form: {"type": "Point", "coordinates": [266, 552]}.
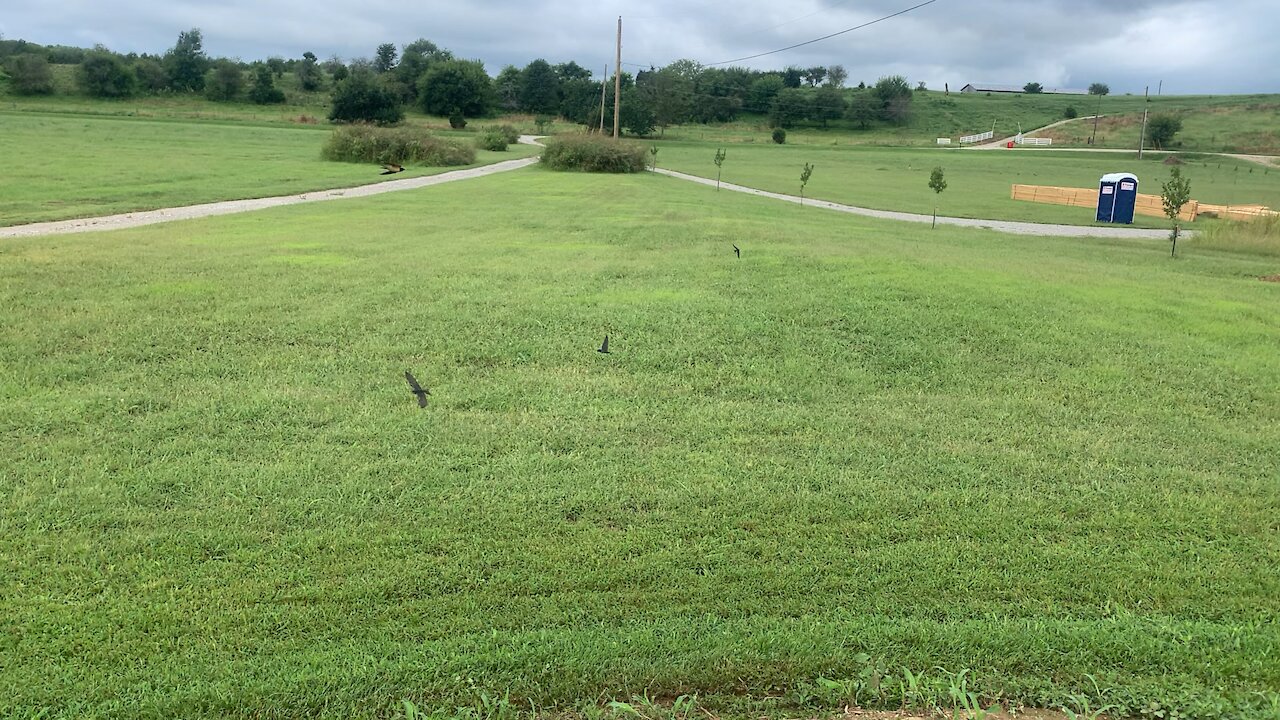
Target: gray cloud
{"type": "Point", "coordinates": [1192, 46]}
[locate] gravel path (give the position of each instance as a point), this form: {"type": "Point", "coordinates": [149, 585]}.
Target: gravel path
{"type": "Point", "coordinates": [151, 217]}
{"type": "Point", "coordinates": [1007, 226]}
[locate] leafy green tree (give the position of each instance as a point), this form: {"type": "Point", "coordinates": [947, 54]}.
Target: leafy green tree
{"type": "Point", "coordinates": [790, 106]}
{"type": "Point", "coordinates": [779, 136]}
{"type": "Point", "coordinates": [837, 75]}
{"type": "Point", "coordinates": [1032, 88]}
{"type": "Point", "coordinates": [762, 92]}
{"type": "Point", "coordinates": [506, 88]}
{"type": "Point", "coordinates": [669, 93]}
{"type": "Point", "coordinates": [719, 164]}
{"type": "Point", "coordinates": [384, 59]}
{"type": "Point", "coordinates": [361, 98]}
{"type": "Point", "coordinates": [539, 88]}
{"type": "Point", "coordinates": [937, 183]}
{"type": "Point", "coordinates": [635, 115]}
{"type": "Point", "coordinates": [151, 75]}
{"type": "Point", "coordinates": [1162, 128]}
{"type": "Point", "coordinates": [580, 101]}
{"type": "Point", "coordinates": [792, 76]}
{"type": "Point", "coordinates": [277, 66]}
{"type": "Point", "coordinates": [226, 82]}
{"type": "Point", "coordinates": [828, 104]}
{"type": "Point", "coordinates": [893, 94]}
{"type": "Point", "coordinates": [570, 71]}
{"type": "Point", "coordinates": [310, 77]}
{"type": "Point", "coordinates": [862, 109]}
{"type": "Point", "coordinates": [1099, 89]}
{"type": "Point", "coordinates": [804, 179]}
{"type": "Point", "coordinates": [29, 74]}
{"type": "Point", "coordinates": [1175, 193]}
{"type": "Point", "coordinates": [186, 63]}
{"type": "Point", "coordinates": [335, 67]}
{"type": "Point", "coordinates": [105, 75]}
{"type": "Point", "coordinates": [815, 75]}
{"type": "Point", "coordinates": [456, 86]}
{"type": "Point", "coordinates": [264, 90]}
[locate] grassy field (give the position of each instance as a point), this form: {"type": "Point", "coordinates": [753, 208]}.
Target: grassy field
{"type": "Point", "coordinates": [1244, 128]}
{"type": "Point", "coordinates": [1037, 469]}
{"type": "Point", "coordinates": [978, 181]}
{"type": "Point", "coordinates": [60, 166]}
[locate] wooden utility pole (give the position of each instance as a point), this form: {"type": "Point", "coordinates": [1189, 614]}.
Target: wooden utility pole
{"type": "Point", "coordinates": [604, 83]}
{"type": "Point", "coordinates": [1142, 137]}
{"type": "Point", "coordinates": [617, 80]}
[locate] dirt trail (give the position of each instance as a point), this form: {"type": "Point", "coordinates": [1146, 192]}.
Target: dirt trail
{"type": "Point", "coordinates": [226, 207]}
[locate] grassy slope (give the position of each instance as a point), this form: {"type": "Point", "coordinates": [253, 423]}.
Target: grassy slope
{"type": "Point", "coordinates": [66, 166]}
{"type": "Point", "coordinates": [1033, 458]}
{"type": "Point", "coordinates": [1243, 123]}
{"type": "Point", "coordinates": [978, 181]}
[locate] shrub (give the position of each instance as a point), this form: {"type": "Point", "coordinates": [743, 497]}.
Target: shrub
{"type": "Point", "coordinates": [367, 143]}
{"type": "Point", "coordinates": [491, 139]}
{"type": "Point", "coordinates": [591, 153]}
{"type": "Point", "coordinates": [457, 121]}
{"type": "Point", "coordinates": [29, 74]}
{"type": "Point", "coordinates": [1069, 113]}
{"type": "Point", "coordinates": [105, 75]}
{"type": "Point", "coordinates": [779, 135]}
{"type": "Point", "coordinates": [509, 132]}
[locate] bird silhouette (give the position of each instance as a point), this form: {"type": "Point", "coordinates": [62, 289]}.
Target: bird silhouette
{"type": "Point", "coordinates": [604, 347]}
{"type": "Point", "coordinates": [391, 169]}
{"type": "Point", "coordinates": [417, 389]}
{"type": "Point", "coordinates": [736, 252]}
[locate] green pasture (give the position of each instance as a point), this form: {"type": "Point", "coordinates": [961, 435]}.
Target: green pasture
{"type": "Point", "coordinates": [1251, 128]}
{"type": "Point", "coordinates": [978, 181]}
{"type": "Point", "coordinates": [68, 166]}
{"type": "Point", "coordinates": [1042, 470]}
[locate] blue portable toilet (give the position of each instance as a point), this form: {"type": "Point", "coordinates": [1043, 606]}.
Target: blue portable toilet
{"type": "Point", "coordinates": [1117, 194]}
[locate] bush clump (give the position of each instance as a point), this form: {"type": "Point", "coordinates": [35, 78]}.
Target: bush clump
{"type": "Point", "coordinates": [491, 139]}
{"type": "Point", "coordinates": [367, 143]}
{"type": "Point", "coordinates": [779, 135]}
{"type": "Point", "coordinates": [509, 132]}
{"type": "Point", "coordinates": [590, 153]}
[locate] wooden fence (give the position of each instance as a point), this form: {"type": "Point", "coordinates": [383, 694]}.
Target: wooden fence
{"type": "Point", "coordinates": [1146, 204]}
{"type": "Point", "coordinates": [1088, 197]}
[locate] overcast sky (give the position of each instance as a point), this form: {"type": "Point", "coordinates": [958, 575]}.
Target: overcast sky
{"type": "Point", "coordinates": [1193, 47]}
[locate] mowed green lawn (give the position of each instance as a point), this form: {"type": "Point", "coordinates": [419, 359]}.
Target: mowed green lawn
{"type": "Point", "coordinates": [978, 182]}
{"type": "Point", "coordinates": [863, 445]}
{"type": "Point", "coordinates": [66, 166]}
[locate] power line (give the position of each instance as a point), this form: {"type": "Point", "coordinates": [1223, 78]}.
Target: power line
{"type": "Point", "coordinates": [824, 37]}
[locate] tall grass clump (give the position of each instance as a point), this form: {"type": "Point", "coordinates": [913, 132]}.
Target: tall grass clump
{"type": "Point", "coordinates": [367, 143]}
{"type": "Point", "coordinates": [1256, 237]}
{"type": "Point", "coordinates": [589, 153]}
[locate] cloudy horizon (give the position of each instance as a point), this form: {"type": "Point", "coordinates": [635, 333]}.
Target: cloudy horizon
{"type": "Point", "coordinates": [1181, 47]}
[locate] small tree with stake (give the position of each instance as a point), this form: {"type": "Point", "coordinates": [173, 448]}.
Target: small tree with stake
{"type": "Point", "coordinates": [1174, 194]}
{"type": "Point", "coordinates": [653, 150]}
{"type": "Point", "coordinates": [937, 183]}
{"type": "Point", "coordinates": [804, 179]}
{"type": "Point", "coordinates": [719, 163]}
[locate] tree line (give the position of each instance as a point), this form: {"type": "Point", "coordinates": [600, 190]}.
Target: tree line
{"type": "Point", "coordinates": [420, 74]}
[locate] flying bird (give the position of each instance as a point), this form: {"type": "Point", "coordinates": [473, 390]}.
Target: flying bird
{"type": "Point", "coordinates": [604, 347]}
{"type": "Point", "coordinates": [736, 252]}
{"type": "Point", "coordinates": [391, 169]}
{"type": "Point", "coordinates": [417, 389]}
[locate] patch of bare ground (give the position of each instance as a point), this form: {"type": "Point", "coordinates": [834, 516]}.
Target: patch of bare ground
{"type": "Point", "coordinates": [1270, 278]}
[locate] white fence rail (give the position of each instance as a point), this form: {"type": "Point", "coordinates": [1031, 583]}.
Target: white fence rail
{"type": "Point", "coordinates": [1034, 141]}
{"type": "Point", "coordinates": [944, 141]}
{"type": "Point", "coordinates": [977, 138]}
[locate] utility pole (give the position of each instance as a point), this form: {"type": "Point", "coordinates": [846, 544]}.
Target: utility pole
{"type": "Point", "coordinates": [1096, 113]}
{"type": "Point", "coordinates": [1160, 89]}
{"type": "Point", "coordinates": [1142, 138]}
{"type": "Point", "coordinates": [604, 83]}
{"type": "Point", "coordinates": [617, 81]}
